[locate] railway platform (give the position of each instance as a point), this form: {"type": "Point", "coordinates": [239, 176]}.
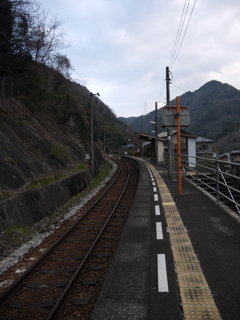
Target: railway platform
{"type": "Point", "coordinates": [178, 257]}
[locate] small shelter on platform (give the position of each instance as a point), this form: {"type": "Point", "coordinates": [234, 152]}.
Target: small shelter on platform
{"type": "Point", "coordinates": [152, 140]}
{"type": "Point", "coordinates": [188, 145]}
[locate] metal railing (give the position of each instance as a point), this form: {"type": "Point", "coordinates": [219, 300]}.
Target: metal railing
{"type": "Point", "coordinates": [221, 178]}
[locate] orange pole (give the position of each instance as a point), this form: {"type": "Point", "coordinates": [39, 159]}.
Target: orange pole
{"type": "Point", "coordinates": [179, 146]}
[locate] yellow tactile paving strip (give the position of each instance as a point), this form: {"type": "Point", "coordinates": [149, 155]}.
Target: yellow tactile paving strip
{"type": "Point", "coordinates": [196, 297]}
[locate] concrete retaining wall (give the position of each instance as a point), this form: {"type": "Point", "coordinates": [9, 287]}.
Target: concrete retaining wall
{"type": "Point", "coordinates": [32, 206]}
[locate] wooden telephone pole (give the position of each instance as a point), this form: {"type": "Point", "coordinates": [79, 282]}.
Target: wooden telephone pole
{"type": "Point", "coordinates": [168, 130]}
{"type": "Point", "coordinates": [179, 146]}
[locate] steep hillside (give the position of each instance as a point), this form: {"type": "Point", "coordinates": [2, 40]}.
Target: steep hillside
{"type": "Point", "coordinates": [213, 110]}
{"type": "Point", "coordinates": [45, 119]}
{"type": "Point", "coordinates": [33, 146]}
{"type": "Point", "coordinates": [45, 129]}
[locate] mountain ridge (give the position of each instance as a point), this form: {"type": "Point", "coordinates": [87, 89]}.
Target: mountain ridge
{"type": "Point", "coordinates": [213, 109]}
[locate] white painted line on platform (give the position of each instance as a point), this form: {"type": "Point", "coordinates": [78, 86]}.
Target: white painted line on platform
{"type": "Point", "coordinates": [152, 179]}
{"type": "Point", "coordinates": [154, 183]}
{"type": "Point", "coordinates": [157, 210]}
{"type": "Point", "coordinates": [155, 197]}
{"type": "Point", "coordinates": [154, 189]}
{"type": "Point", "coordinates": [159, 232]}
{"type": "Point", "coordinates": [162, 273]}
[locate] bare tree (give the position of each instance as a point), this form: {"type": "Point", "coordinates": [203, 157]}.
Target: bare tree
{"type": "Point", "coordinates": [27, 32]}
{"type": "Point", "coordinates": [62, 64]}
{"type": "Point", "coordinates": [46, 37]}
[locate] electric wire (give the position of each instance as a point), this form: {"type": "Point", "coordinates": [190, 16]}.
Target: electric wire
{"type": "Point", "coordinates": [193, 93]}
{"type": "Point", "coordinates": [178, 35]}
{"type": "Point", "coordinates": [85, 82]}
{"type": "Point", "coordinates": [183, 85]}
{"type": "Point", "coordinates": [176, 47]}
{"type": "Point", "coordinates": [173, 83]}
{"type": "Point", "coordinates": [181, 29]}
{"type": "Point", "coordinates": [161, 92]}
{"type": "Point", "coordinates": [183, 35]}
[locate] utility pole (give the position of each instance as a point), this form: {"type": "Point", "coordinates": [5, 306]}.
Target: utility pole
{"type": "Point", "coordinates": [179, 146]}
{"type": "Point", "coordinates": [92, 149]}
{"type": "Point", "coordinates": [156, 132]}
{"type": "Point", "coordinates": [104, 148]}
{"type": "Point", "coordinates": [91, 131]}
{"type": "Point", "coordinates": [168, 130]}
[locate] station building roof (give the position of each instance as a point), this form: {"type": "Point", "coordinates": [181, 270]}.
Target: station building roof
{"type": "Point", "coordinates": [163, 135]}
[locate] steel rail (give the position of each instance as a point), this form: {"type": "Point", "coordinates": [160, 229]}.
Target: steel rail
{"type": "Point", "coordinates": [12, 289]}
{"type": "Point", "coordinates": [59, 305]}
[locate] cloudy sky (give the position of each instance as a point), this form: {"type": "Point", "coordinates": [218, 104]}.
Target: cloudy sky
{"type": "Point", "coordinates": [120, 48]}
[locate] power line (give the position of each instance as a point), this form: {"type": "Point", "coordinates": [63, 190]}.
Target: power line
{"type": "Point", "coordinates": [183, 85]}
{"type": "Point", "coordinates": [184, 33]}
{"type": "Point", "coordinates": [161, 92]}
{"type": "Point", "coordinates": [173, 83]}
{"type": "Point", "coordinates": [85, 81]}
{"type": "Point", "coordinates": [200, 98]}
{"type": "Point", "coordinates": [178, 35]}
{"type": "Point", "coordinates": [173, 60]}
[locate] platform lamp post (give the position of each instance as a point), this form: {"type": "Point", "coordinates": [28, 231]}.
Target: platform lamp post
{"type": "Point", "coordinates": [92, 151]}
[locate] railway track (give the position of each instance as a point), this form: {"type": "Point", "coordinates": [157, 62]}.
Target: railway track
{"type": "Point", "coordinates": [65, 281]}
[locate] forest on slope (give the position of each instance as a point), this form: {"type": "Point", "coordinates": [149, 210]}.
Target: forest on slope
{"type": "Point", "coordinates": [214, 114]}
{"type": "Point", "coordinates": [45, 115]}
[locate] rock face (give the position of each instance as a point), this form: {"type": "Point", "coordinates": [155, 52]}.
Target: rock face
{"type": "Point", "coordinates": [35, 145]}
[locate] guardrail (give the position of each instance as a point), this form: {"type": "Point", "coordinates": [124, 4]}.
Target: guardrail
{"type": "Point", "coordinates": [221, 178]}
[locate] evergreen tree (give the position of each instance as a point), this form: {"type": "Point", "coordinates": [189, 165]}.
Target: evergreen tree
{"type": "Point", "coordinates": [6, 26]}
{"type": "Point", "coordinates": [6, 31]}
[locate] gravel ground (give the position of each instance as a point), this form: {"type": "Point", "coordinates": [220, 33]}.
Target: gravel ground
{"type": "Point", "coordinates": [13, 249]}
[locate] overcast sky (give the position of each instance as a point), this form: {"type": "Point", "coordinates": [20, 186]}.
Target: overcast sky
{"type": "Point", "coordinates": [120, 48]}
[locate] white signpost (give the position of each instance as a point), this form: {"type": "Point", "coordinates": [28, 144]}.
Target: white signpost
{"type": "Point", "coordinates": [170, 115]}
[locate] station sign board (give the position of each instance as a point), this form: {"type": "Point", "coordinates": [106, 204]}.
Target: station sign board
{"type": "Point", "coordinates": [169, 116]}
